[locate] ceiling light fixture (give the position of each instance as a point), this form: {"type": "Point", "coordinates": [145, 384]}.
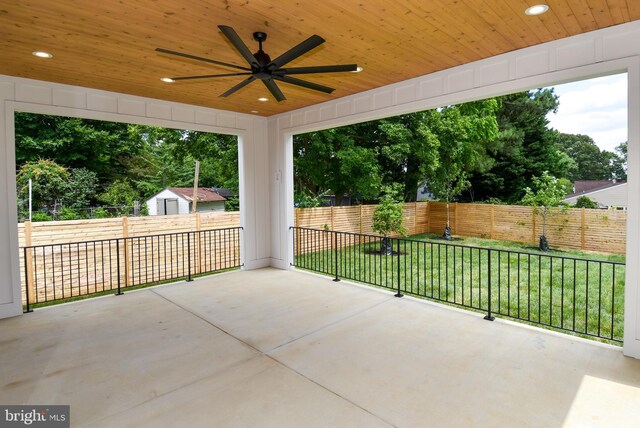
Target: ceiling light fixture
{"type": "Point", "coordinates": [42, 54]}
{"type": "Point", "coordinates": [538, 9]}
{"type": "Point", "coordinates": [263, 99]}
{"type": "Point", "coordinates": [167, 79]}
{"type": "Point", "coordinates": [255, 111]}
{"type": "Point", "coordinates": [358, 69]}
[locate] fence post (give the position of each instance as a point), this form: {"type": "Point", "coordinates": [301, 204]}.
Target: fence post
{"type": "Point", "coordinates": [28, 265]}
{"type": "Point", "coordinates": [533, 232]}
{"type": "Point", "coordinates": [26, 281]}
{"type": "Point", "coordinates": [125, 235]}
{"type": "Point", "coordinates": [582, 227]}
{"type": "Point", "coordinates": [428, 218]}
{"type": "Point", "coordinates": [398, 294]}
{"type": "Point", "coordinates": [189, 279]}
{"type": "Point", "coordinates": [492, 221]}
{"type": "Point", "coordinates": [331, 208]}
{"type": "Point", "coordinates": [488, 317]}
{"type": "Point", "coordinates": [118, 262]}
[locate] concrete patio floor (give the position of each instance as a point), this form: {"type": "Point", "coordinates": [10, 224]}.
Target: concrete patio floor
{"type": "Point", "coordinates": [289, 349]}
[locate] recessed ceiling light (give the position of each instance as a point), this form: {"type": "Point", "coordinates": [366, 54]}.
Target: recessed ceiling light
{"type": "Point", "coordinates": [41, 54]}
{"type": "Point", "coordinates": [167, 79]}
{"type": "Point", "coordinates": [263, 99]}
{"type": "Point", "coordinates": [358, 69]}
{"type": "Point", "coordinates": [254, 111]}
{"type": "Point", "coordinates": [538, 9]}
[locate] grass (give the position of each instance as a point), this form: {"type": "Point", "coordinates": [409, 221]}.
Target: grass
{"type": "Point", "coordinates": [567, 290]}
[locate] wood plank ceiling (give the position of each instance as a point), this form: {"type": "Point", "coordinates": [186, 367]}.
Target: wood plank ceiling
{"type": "Point", "coordinates": [109, 44]}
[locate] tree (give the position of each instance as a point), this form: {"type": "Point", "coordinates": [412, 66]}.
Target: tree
{"type": "Point", "coordinates": [591, 163]}
{"type": "Point", "coordinates": [547, 193]}
{"type": "Point", "coordinates": [49, 181]}
{"type": "Point", "coordinates": [523, 148]}
{"type": "Point", "coordinates": [619, 163]}
{"type": "Point", "coordinates": [388, 217]}
{"type": "Point", "coordinates": [461, 133]}
{"type": "Point", "coordinates": [120, 194]}
{"type": "Point", "coordinates": [81, 189]}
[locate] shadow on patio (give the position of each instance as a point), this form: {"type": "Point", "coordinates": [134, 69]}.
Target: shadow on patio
{"type": "Point", "coordinates": [285, 348]}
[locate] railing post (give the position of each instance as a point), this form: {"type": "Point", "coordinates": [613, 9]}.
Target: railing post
{"type": "Point", "coordinates": [335, 251]}
{"type": "Point", "coordinates": [189, 279]}
{"type": "Point", "coordinates": [398, 294]}
{"type": "Point", "coordinates": [489, 317]}
{"type": "Point", "coordinates": [118, 262]}
{"type": "Point", "coordinates": [26, 280]}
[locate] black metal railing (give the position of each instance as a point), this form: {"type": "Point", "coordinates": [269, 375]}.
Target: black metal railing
{"type": "Point", "coordinates": [579, 295]}
{"type": "Point", "coordinates": [59, 272]}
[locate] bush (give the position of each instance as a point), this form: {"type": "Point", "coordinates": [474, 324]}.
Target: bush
{"type": "Point", "coordinates": [41, 216]}
{"type": "Point", "coordinates": [586, 202]}
{"type": "Point", "coordinates": [100, 213]}
{"type": "Point", "coordinates": [232, 204]}
{"type": "Point", "coordinates": [67, 213]}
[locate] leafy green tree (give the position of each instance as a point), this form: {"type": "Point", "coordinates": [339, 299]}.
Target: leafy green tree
{"type": "Point", "coordinates": [388, 217]}
{"type": "Point", "coordinates": [547, 193]}
{"type": "Point", "coordinates": [81, 189]}
{"type": "Point", "coordinates": [586, 202]}
{"type": "Point", "coordinates": [100, 213]}
{"type": "Point", "coordinates": [232, 204]}
{"type": "Point", "coordinates": [120, 194]}
{"type": "Point", "coordinates": [524, 147]}
{"type": "Point", "coordinates": [102, 147]}
{"type": "Point", "coordinates": [619, 163]}
{"type": "Point", "coordinates": [41, 216]}
{"type": "Point", "coordinates": [590, 163]}
{"type": "Point", "coordinates": [461, 132]}
{"type": "Point", "coordinates": [49, 181]}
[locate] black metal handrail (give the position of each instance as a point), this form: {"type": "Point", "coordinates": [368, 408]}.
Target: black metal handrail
{"type": "Point", "coordinates": [579, 295]}
{"type": "Point", "coordinates": [58, 272]}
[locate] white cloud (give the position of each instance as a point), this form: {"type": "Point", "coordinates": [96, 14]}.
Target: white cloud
{"type": "Point", "coordinates": [595, 107]}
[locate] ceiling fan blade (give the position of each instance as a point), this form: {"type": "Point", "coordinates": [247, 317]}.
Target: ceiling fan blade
{"type": "Point", "coordinates": [296, 51]}
{"type": "Point", "coordinates": [304, 83]}
{"type": "Point", "coordinates": [318, 69]}
{"type": "Point", "coordinates": [275, 91]}
{"type": "Point", "coordinates": [238, 86]}
{"type": "Point", "coordinates": [236, 41]}
{"type": "Point", "coordinates": [208, 76]}
{"type": "Point", "coordinates": [197, 58]}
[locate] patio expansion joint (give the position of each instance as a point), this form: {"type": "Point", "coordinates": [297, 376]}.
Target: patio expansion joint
{"type": "Point", "coordinates": [275, 360]}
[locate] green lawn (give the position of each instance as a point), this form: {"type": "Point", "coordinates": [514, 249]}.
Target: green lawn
{"type": "Point", "coordinates": [567, 290]}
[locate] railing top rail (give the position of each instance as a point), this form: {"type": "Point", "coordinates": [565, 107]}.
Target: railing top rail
{"type": "Point", "coordinates": [130, 238]}
{"type": "Point", "coordinates": [448, 244]}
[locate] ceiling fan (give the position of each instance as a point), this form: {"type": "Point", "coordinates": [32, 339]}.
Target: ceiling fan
{"type": "Point", "coordinates": [261, 67]}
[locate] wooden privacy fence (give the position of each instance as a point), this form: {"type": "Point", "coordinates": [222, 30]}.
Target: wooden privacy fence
{"type": "Point", "coordinates": [79, 257]}
{"type": "Point", "coordinates": [576, 228]}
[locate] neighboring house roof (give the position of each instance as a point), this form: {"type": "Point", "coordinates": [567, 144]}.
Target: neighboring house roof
{"type": "Point", "coordinates": [226, 193]}
{"type": "Point", "coordinates": [204, 195]}
{"type": "Point", "coordinates": [614, 194]}
{"type": "Point", "coordinates": [584, 187]}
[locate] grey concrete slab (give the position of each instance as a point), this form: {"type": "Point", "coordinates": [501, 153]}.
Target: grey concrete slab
{"type": "Point", "coordinates": [415, 364]}
{"type": "Point", "coordinates": [257, 393]}
{"type": "Point", "coordinates": [334, 355]}
{"type": "Point", "coordinates": [269, 307]}
{"type": "Point", "coordinates": [108, 354]}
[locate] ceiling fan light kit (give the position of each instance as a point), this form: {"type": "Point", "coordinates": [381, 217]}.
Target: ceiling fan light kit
{"type": "Point", "coordinates": [261, 67]}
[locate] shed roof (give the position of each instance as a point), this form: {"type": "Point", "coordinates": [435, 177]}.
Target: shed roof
{"type": "Point", "coordinates": [204, 194]}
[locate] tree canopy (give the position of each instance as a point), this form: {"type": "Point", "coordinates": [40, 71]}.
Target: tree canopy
{"type": "Point", "coordinates": [82, 162]}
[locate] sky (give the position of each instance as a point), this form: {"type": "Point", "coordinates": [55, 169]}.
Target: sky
{"type": "Point", "coordinates": [595, 107]}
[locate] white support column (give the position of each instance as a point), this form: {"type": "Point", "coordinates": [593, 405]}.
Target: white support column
{"type": "Point", "coordinates": [632, 282]}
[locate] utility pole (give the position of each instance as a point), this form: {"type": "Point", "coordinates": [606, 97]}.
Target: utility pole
{"type": "Point", "coordinates": [30, 199]}
{"type": "Point", "coordinates": [195, 187]}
